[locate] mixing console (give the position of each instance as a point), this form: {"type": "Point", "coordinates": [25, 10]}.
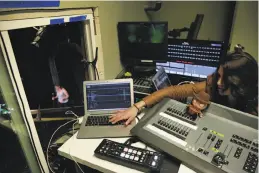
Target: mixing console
{"type": "Point", "coordinates": [224, 140]}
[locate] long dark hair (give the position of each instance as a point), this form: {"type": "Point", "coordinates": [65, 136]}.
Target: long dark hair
{"type": "Point", "coordinates": [241, 76]}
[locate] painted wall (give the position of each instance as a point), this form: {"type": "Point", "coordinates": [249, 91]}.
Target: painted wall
{"type": "Point", "coordinates": [245, 28]}
{"type": "Point", "coordinates": [110, 13]}
{"type": "Point", "coordinates": [181, 14]}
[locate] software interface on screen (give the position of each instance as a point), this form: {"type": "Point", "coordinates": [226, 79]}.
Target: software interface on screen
{"type": "Point", "coordinates": [194, 59]}
{"type": "Point", "coordinates": [161, 79]}
{"type": "Point", "coordinates": [145, 33]}
{"type": "Point", "coordinates": [108, 96]}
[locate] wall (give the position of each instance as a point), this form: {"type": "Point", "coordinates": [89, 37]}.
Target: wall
{"type": "Point", "coordinates": [110, 14]}
{"type": "Point", "coordinates": [181, 14]}
{"type": "Point", "coordinates": [245, 27]}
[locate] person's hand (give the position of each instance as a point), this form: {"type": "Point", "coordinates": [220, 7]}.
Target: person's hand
{"type": "Point", "coordinates": [128, 114]}
{"type": "Point", "coordinates": [53, 98]}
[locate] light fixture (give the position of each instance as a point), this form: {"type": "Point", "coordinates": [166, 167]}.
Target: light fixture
{"type": "Point", "coordinates": [40, 31]}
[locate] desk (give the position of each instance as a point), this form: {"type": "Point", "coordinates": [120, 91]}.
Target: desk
{"type": "Point", "coordinates": [82, 151]}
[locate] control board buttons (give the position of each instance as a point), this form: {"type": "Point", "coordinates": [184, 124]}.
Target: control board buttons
{"type": "Point", "coordinates": [205, 153]}
{"type": "Point", "coordinates": [200, 150]}
{"type": "Point", "coordinates": [205, 129]}
{"type": "Point", "coordinates": [251, 163]}
{"type": "Point", "coordinates": [156, 157]}
{"type": "Point", "coordinates": [136, 158]}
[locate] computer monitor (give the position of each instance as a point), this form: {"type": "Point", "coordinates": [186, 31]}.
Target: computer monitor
{"type": "Point", "coordinates": [116, 94]}
{"type": "Point", "coordinates": [196, 58]}
{"type": "Point", "coordinates": [143, 42]}
{"type": "Point", "coordinates": [161, 80]}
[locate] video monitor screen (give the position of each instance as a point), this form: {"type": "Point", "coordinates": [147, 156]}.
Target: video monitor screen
{"type": "Point", "coordinates": [143, 40]}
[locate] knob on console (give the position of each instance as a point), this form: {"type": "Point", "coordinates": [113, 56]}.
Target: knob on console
{"type": "Point", "coordinates": [219, 159]}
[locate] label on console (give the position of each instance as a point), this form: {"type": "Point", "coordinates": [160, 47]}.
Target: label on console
{"type": "Point", "coordinates": [166, 135]}
{"type": "Point", "coordinates": [178, 121]}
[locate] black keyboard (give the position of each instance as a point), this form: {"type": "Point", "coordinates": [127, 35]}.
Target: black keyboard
{"type": "Point", "coordinates": [101, 121]}
{"type": "Point", "coordinates": [132, 157]}
{"type": "Point", "coordinates": [142, 90]}
{"type": "Point", "coordinates": [145, 82]}
{"type": "Point", "coordinates": [142, 86]}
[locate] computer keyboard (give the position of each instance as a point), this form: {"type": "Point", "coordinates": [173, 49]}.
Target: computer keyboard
{"type": "Point", "coordinates": [142, 85]}
{"type": "Point", "coordinates": [142, 90]}
{"type": "Point", "coordinates": [101, 121]}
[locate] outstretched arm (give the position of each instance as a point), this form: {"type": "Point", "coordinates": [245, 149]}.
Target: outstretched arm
{"type": "Point", "coordinates": [174, 92]}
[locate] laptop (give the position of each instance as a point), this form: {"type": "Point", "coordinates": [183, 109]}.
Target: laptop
{"type": "Point", "coordinates": [161, 79]}
{"type": "Point", "coordinates": [101, 99]}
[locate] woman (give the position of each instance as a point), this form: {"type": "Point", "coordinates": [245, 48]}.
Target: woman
{"type": "Point", "coordinates": [62, 96]}
{"type": "Point", "coordinates": [234, 84]}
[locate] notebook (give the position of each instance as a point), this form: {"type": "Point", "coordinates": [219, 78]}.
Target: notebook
{"type": "Point", "coordinates": [101, 100]}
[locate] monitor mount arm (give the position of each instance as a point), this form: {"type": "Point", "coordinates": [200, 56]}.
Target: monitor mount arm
{"type": "Point", "coordinates": [156, 7]}
{"type": "Point", "coordinates": [177, 32]}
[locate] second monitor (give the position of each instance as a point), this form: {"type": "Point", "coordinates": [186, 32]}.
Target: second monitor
{"type": "Point", "coordinates": [142, 42]}
{"type": "Point", "coordinates": [197, 58]}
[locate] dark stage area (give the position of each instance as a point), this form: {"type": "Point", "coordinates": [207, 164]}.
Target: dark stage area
{"type": "Point", "coordinates": [48, 58]}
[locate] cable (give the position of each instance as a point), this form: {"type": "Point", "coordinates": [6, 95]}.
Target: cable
{"type": "Point", "coordinates": [96, 72]}
{"type": "Point", "coordinates": [51, 140]}
{"type": "Point", "coordinates": [71, 112]}
{"type": "Point", "coordinates": [69, 149]}
{"type": "Point", "coordinates": [93, 63]}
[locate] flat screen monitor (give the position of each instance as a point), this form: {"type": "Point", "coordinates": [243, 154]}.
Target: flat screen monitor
{"type": "Point", "coordinates": [143, 41]}
{"type": "Point", "coordinates": [161, 80]}
{"type": "Point", "coordinates": [197, 58]}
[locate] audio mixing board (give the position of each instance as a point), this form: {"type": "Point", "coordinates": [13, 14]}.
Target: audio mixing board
{"type": "Point", "coordinates": [224, 140]}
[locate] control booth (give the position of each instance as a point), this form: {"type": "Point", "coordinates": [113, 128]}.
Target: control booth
{"type": "Point", "coordinates": [224, 140]}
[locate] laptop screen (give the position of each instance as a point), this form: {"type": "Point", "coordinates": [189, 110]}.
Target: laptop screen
{"type": "Point", "coordinates": [161, 80]}
{"type": "Point", "coordinates": [108, 96]}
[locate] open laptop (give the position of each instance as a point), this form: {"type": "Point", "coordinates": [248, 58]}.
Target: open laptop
{"type": "Point", "coordinates": [161, 79]}
{"type": "Point", "coordinates": [101, 99]}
